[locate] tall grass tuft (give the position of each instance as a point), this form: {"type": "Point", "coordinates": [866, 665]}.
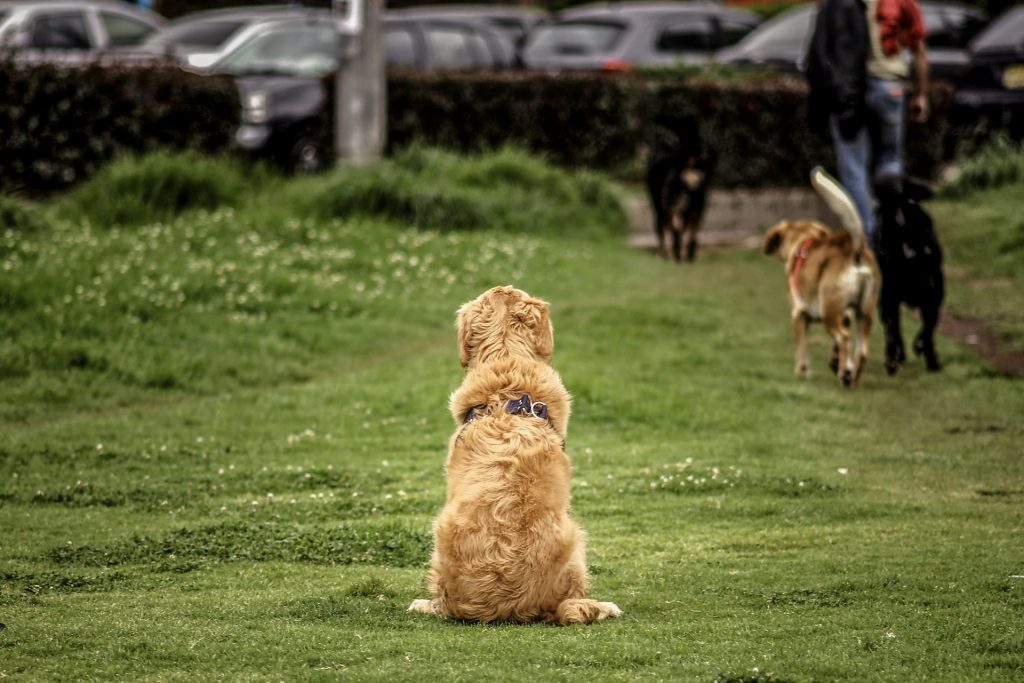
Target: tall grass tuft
{"type": "Point", "coordinates": [507, 190]}
{"type": "Point", "coordinates": [999, 163]}
{"type": "Point", "coordinates": [159, 187]}
{"type": "Point", "coordinates": [19, 216]}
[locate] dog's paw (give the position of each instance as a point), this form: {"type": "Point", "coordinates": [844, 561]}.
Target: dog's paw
{"type": "Point", "coordinates": [891, 366]}
{"type": "Point", "coordinates": [609, 610]}
{"type": "Point", "coordinates": [847, 378]}
{"type": "Point", "coordinates": [803, 370]}
{"type": "Point", "coordinates": [422, 606]}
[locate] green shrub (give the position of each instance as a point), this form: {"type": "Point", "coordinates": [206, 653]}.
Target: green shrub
{"type": "Point", "coordinates": [435, 189]}
{"type": "Point", "coordinates": [158, 187]}
{"type": "Point", "coordinates": [999, 163]}
{"type": "Point", "coordinates": [19, 216]}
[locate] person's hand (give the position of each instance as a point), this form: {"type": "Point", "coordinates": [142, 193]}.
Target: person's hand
{"type": "Point", "coordinates": [849, 122]}
{"type": "Point", "coordinates": [919, 108]}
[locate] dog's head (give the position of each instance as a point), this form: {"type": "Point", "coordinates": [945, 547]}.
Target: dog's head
{"type": "Point", "coordinates": [504, 322]}
{"type": "Point", "coordinates": [786, 235]}
{"type": "Point", "coordinates": [904, 228]}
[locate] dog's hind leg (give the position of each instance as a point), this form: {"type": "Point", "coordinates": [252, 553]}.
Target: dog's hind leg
{"type": "Point", "coordinates": [691, 242]}
{"type": "Point", "coordinates": [863, 334]}
{"type": "Point", "coordinates": [800, 322]}
{"type": "Point", "coordinates": [889, 309]}
{"type": "Point", "coordinates": [924, 342]}
{"type": "Point", "coordinates": [839, 323]}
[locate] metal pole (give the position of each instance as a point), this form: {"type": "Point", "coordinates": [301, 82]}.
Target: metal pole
{"type": "Point", "coordinates": [360, 114]}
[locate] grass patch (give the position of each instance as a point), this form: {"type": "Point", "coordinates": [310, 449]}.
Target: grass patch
{"type": "Point", "coordinates": [239, 482]}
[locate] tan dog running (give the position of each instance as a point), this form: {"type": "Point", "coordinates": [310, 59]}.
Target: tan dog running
{"type": "Point", "coordinates": [832, 277]}
{"type": "Point", "coordinates": [505, 547]}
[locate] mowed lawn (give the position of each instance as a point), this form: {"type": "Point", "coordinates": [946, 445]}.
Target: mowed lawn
{"type": "Point", "coordinates": [224, 434]}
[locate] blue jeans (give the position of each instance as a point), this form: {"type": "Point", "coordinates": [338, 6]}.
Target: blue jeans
{"type": "Point", "coordinates": [876, 151]}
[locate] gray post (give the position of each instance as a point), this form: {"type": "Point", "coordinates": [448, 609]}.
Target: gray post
{"type": "Point", "coordinates": [360, 111]}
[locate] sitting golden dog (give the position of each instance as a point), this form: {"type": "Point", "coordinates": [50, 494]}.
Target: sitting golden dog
{"type": "Point", "coordinates": [832, 277]}
{"type": "Point", "coordinates": [505, 546]}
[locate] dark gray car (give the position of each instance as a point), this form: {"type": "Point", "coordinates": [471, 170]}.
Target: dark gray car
{"type": "Point", "coordinates": [624, 35]}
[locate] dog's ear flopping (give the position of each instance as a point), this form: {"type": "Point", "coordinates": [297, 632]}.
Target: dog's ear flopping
{"type": "Point", "coordinates": [535, 315]}
{"type": "Point", "coordinates": [773, 238]}
{"type": "Point", "coordinates": [464, 318]}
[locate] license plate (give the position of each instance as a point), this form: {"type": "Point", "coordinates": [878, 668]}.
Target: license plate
{"type": "Point", "coordinates": [1013, 77]}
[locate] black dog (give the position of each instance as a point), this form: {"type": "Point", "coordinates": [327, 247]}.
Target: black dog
{"type": "Point", "coordinates": [678, 182]}
{"type": "Point", "coordinates": [910, 258]}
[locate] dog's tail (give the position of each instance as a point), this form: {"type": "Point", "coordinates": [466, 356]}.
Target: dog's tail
{"type": "Point", "coordinates": [585, 611]}
{"type": "Point", "coordinates": [839, 201]}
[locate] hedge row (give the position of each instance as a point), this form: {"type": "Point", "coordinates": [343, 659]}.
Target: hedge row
{"type": "Point", "coordinates": [756, 127]}
{"type": "Point", "coordinates": [59, 124]}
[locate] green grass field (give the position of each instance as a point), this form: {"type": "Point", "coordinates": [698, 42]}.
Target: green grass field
{"type": "Point", "coordinates": [222, 437]}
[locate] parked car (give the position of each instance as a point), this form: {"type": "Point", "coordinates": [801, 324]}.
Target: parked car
{"type": "Point", "coordinates": [73, 28]}
{"type": "Point", "coordinates": [279, 65]}
{"type": "Point", "coordinates": [444, 41]}
{"type": "Point", "coordinates": [201, 38]}
{"type": "Point", "coordinates": [993, 84]}
{"type": "Point", "coordinates": [623, 35]}
{"type": "Point", "coordinates": [781, 42]}
{"type": "Point", "coordinates": [514, 21]}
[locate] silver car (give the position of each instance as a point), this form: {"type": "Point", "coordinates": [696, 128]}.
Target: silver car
{"type": "Point", "coordinates": [623, 35]}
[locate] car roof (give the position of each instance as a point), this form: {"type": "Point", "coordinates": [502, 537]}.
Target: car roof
{"type": "Point", "coordinates": [1000, 34]}
{"type": "Point", "coordinates": [645, 8]}
{"type": "Point", "coordinates": [468, 11]}
{"type": "Point", "coordinates": [71, 4]}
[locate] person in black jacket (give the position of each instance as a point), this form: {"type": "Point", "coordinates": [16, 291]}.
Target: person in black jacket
{"type": "Point", "coordinates": [837, 76]}
{"type": "Point", "coordinates": [860, 86]}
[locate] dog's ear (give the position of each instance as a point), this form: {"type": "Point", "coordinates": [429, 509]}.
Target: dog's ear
{"type": "Point", "coordinates": [535, 316]}
{"type": "Point", "coordinates": [773, 238]}
{"type": "Point", "coordinates": [464, 319]}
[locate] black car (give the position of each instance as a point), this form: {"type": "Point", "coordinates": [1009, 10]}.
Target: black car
{"type": "Point", "coordinates": [781, 42]}
{"type": "Point", "coordinates": [994, 81]}
{"type": "Point", "coordinates": [623, 35]}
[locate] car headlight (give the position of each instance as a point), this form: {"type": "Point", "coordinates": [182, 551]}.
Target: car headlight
{"type": "Point", "coordinates": [255, 107]}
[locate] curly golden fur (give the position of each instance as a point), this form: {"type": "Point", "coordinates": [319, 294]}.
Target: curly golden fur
{"type": "Point", "coordinates": [505, 546]}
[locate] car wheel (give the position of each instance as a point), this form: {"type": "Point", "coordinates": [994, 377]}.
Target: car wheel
{"type": "Point", "coordinates": [306, 156]}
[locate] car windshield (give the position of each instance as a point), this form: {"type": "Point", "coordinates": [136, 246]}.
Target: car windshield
{"type": "Point", "coordinates": [204, 34]}
{"type": "Point", "coordinates": [1005, 33]}
{"type": "Point", "coordinates": [293, 50]}
{"type": "Point", "coordinates": [574, 38]}
{"type": "Point", "coordinates": [786, 31]}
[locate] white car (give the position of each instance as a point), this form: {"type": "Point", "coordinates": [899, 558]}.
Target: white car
{"type": "Point", "coordinates": [73, 28]}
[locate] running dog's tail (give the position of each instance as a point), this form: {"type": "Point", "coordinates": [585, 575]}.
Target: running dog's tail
{"type": "Point", "coordinates": [839, 201]}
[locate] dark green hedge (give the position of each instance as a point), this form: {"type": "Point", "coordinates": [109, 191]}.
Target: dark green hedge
{"type": "Point", "coordinates": [59, 124]}
{"type": "Point", "coordinates": [756, 126]}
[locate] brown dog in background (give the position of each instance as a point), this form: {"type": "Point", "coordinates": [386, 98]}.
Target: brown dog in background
{"type": "Point", "coordinates": [505, 546]}
{"type": "Point", "coordinates": [832, 277]}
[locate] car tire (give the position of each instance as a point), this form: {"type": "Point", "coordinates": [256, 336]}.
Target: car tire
{"type": "Point", "coordinates": [306, 156]}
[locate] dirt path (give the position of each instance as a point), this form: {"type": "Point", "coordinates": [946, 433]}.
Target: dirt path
{"type": "Point", "coordinates": [734, 221]}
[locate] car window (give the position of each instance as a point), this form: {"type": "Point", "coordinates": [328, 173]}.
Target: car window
{"type": "Point", "coordinates": [296, 50]}
{"type": "Point", "coordinates": [692, 35]}
{"type": "Point", "coordinates": [399, 47]}
{"type": "Point", "coordinates": [731, 31]}
{"type": "Point", "coordinates": [63, 31]}
{"type": "Point", "coordinates": [574, 38]}
{"type": "Point", "coordinates": [124, 30]}
{"type": "Point", "coordinates": [786, 31]}
{"type": "Point", "coordinates": [1006, 32]}
{"type": "Point", "coordinates": [450, 48]}
{"type": "Point", "coordinates": [208, 34]}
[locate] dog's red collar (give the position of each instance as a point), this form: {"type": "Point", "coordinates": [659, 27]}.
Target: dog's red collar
{"type": "Point", "coordinates": [798, 261]}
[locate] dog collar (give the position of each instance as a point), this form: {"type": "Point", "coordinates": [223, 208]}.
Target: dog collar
{"type": "Point", "coordinates": [524, 406]}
